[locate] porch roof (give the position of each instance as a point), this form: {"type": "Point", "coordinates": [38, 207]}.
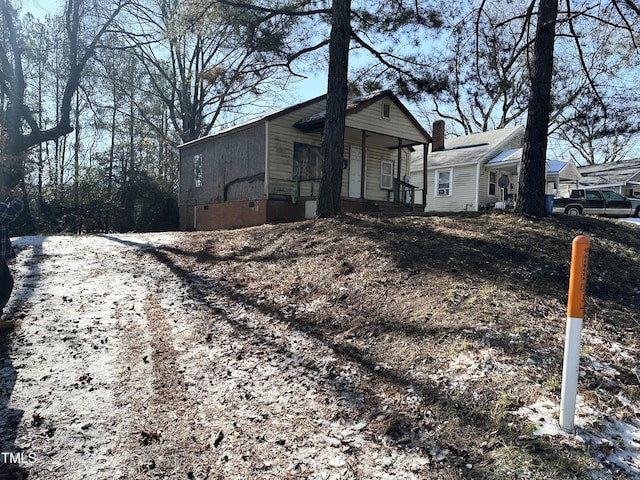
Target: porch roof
{"type": "Point", "coordinates": [510, 159]}
{"type": "Point", "coordinates": [315, 123]}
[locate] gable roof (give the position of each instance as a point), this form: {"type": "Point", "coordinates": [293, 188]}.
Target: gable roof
{"type": "Point", "coordinates": [474, 148]}
{"type": "Point", "coordinates": [564, 169]}
{"type": "Point", "coordinates": [315, 122]}
{"type": "Point", "coordinates": [255, 121]}
{"type": "Point", "coordinates": [611, 173]}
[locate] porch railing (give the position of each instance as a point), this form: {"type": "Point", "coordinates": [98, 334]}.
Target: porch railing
{"type": "Point", "coordinates": [404, 193]}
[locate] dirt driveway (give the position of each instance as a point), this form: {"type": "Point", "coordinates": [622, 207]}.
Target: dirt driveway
{"type": "Point", "coordinates": [122, 366]}
{"type": "Point", "coordinates": [359, 347]}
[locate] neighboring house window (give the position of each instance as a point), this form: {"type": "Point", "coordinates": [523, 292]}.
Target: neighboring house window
{"type": "Point", "coordinates": [492, 183]}
{"type": "Point", "coordinates": [197, 170]}
{"type": "Point", "coordinates": [386, 175]}
{"type": "Point", "coordinates": [443, 183]}
{"type": "Point", "coordinates": [307, 162]}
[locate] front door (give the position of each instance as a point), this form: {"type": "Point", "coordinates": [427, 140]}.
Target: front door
{"type": "Point", "coordinates": [355, 171]}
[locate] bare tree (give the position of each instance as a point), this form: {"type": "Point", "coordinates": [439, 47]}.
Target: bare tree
{"type": "Point", "coordinates": [486, 56]}
{"type": "Point", "coordinates": [86, 23]}
{"type": "Point", "coordinates": [204, 61]}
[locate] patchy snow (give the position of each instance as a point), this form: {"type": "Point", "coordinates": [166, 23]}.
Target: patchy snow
{"type": "Point", "coordinates": [114, 370]}
{"type": "Point", "coordinates": [125, 365]}
{"type": "Point", "coordinates": [613, 441]}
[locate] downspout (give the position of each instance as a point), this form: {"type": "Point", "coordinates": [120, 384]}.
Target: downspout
{"type": "Point", "coordinates": [399, 172]}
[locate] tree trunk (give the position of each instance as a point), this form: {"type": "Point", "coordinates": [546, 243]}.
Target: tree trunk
{"type": "Point", "coordinates": [533, 174]}
{"type": "Point", "coordinates": [76, 155]}
{"type": "Point", "coordinates": [112, 149]}
{"type": "Point", "coordinates": [333, 138]}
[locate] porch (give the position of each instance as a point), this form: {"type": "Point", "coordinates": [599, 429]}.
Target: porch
{"type": "Point", "coordinates": [380, 134]}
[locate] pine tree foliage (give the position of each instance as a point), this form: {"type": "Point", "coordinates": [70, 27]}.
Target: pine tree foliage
{"type": "Point", "coordinates": [94, 99]}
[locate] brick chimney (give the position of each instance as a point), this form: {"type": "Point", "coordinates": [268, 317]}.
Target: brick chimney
{"type": "Point", "coordinates": [438, 136]}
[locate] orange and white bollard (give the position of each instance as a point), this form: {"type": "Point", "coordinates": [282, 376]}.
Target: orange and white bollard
{"type": "Point", "coordinates": [575, 316]}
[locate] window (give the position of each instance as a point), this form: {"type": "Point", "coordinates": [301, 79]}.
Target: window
{"type": "Point", "coordinates": [307, 162]}
{"type": "Point", "coordinates": [592, 196]}
{"type": "Point", "coordinates": [197, 170]}
{"type": "Point", "coordinates": [386, 110]}
{"type": "Point", "coordinates": [492, 183]}
{"type": "Point", "coordinates": [612, 196]}
{"type": "Point", "coordinates": [443, 183]}
{"type": "Point", "coordinates": [386, 175]}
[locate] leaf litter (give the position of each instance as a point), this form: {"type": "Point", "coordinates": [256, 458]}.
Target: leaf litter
{"type": "Point", "coordinates": [357, 347]}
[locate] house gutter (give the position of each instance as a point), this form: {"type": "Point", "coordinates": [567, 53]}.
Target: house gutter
{"type": "Point", "coordinates": [446, 167]}
{"type": "Point", "coordinates": [607, 185]}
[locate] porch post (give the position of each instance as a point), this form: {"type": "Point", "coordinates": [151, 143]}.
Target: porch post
{"type": "Point", "coordinates": [363, 157]}
{"type": "Point", "coordinates": [399, 157]}
{"type": "Point", "coordinates": [518, 169]}
{"type": "Point", "coordinates": [425, 148]}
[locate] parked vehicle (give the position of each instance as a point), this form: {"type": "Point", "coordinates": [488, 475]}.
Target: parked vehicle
{"type": "Point", "coordinates": [597, 202]}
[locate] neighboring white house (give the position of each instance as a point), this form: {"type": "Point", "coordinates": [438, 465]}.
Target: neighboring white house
{"type": "Point", "coordinates": [622, 177]}
{"type": "Point", "coordinates": [480, 171]}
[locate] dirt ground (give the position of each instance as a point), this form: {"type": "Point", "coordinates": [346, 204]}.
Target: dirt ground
{"type": "Point", "coordinates": [359, 347]}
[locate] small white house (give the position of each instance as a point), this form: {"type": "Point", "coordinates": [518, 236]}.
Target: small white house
{"type": "Point", "coordinates": [269, 169]}
{"type": "Point", "coordinates": [479, 171]}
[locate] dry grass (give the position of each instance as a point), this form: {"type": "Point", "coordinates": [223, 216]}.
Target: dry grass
{"type": "Point", "coordinates": [455, 322]}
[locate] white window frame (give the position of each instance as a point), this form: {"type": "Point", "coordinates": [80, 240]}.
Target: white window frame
{"type": "Point", "coordinates": [197, 170]}
{"type": "Point", "coordinates": [448, 191]}
{"type": "Point", "coordinates": [386, 178]}
{"type": "Point", "coordinates": [494, 183]}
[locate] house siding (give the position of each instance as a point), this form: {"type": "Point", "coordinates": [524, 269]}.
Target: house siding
{"type": "Point", "coordinates": [462, 190]}
{"type": "Point", "coordinates": [633, 190]}
{"type": "Point", "coordinates": [232, 168]}
{"type": "Point", "coordinates": [282, 136]}
{"type": "Point", "coordinates": [397, 125]}
{"type": "Point", "coordinates": [375, 156]}
{"type": "Point", "coordinates": [467, 163]}
{"type": "Point", "coordinates": [484, 198]}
